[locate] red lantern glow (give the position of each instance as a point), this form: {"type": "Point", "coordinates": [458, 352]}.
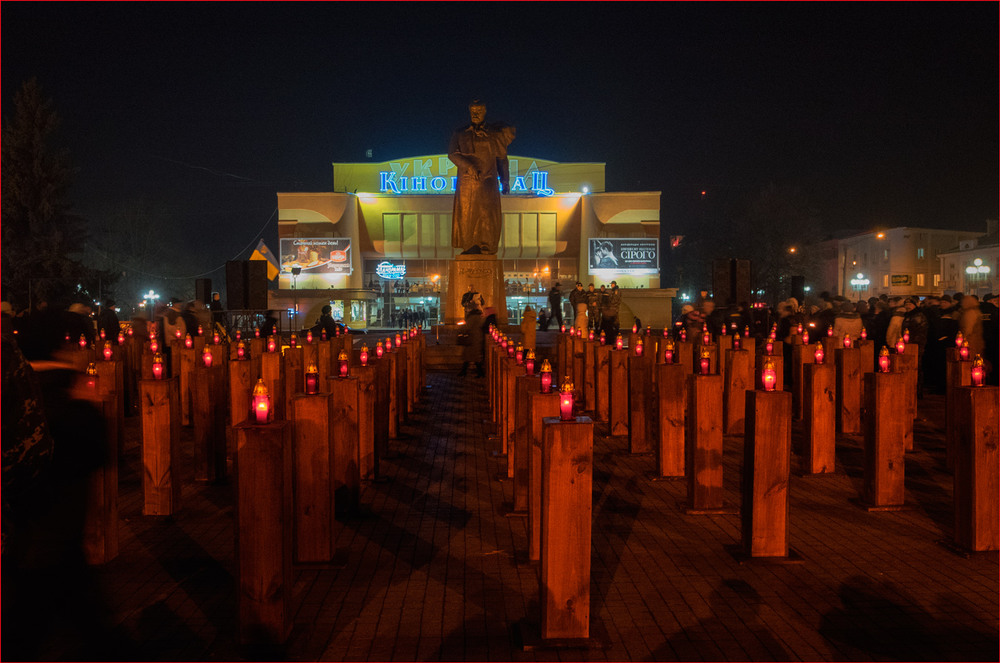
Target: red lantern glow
{"type": "Point", "coordinates": [706, 338]}
{"type": "Point", "coordinates": [847, 340]}
{"type": "Point", "coordinates": [312, 379]}
{"type": "Point", "coordinates": [736, 342]}
{"type": "Point", "coordinates": [322, 334]}
{"type": "Point", "coordinates": [963, 352]}
{"type": "Point", "coordinates": [604, 339]}
{"type": "Point", "coordinates": [206, 356]}
{"type": "Point", "coordinates": [618, 342]}
{"type": "Point", "coordinates": [256, 332]}
{"type": "Point", "coordinates": [638, 347]}
{"type": "Point", "coordinates": [829, 331]}
{"type": "Point", "coordinates": [799, 328]}
{"type": "Point", "coordinates": [684, 334]}
{"type": "Point", "coordinates": [241, 350]}
{"type": "Point", "coordinates": [272, 345]}
{"type": "Point", "coordinates": [157, 366]}
{"type": "Point", "coordinates": [201, 332]}
{"type": "Point", "coordinates": [805, 337]}
{"type": "Point", "coordinates": [900, 346]}
{"type": "Point", "coordinates": [188, 341]}
{"type": "Point", "coordinates": [177, 333]}
{"type": "Point", "coordinates": [546, 374]}
{"type": "Point", "coordinates": [121, 338]}
{"type": "Point", "coordinates": [959, 339]}
{"type": "Point", "coordinates": [261, 403]}
{"type": "Point", "coordinates": [293, 341]}
{"type": "Point", "coordinates": [154, 346]}
{"type": "Point", "coordinates": [108, 351]}
{"type": "Point", "coordinates": [769, 376]}
{"type": "Point", "coordinates": [883, 360]}
{"type": "Point", "coordinates": [746, 331]}
{"type": "Point", "coordinates": [216, 339]}
{"type": "Point", "coordinates": [309, 337]}
{"type": "Point", "coordinates": [818, 355]}
{"type": "Point", "coordinates": [130, 332]}
{"type": "Point", "coordinates": [519, 354]}
{"type": "Point", "coordinates": [769, 347]}
{"type": "Point", "coordinates": [649, 330]}
{"type": "Point", "coordinates": [864, 333]}
{"type": "Point", "coordinates": [590, 335]}
{"type": "Point", "coordinates": [91, 379]}
{"type": "Point", "coordinates": [102, 334]}
{"type": "Point", "coordinates": [343, 360]}
{"type": "Point", "coordinates": [668, 352]}
{"type": "Point", "coordinates": [723, 330]}
{"type": "Point", "coordinates": [978, 372]}
{"type": "Point", "coordinates": [529, 362]}
{"type": "Point", "coordinates": [635, 328]}
{"type": "Point", "coordinates": [566, 400]}
{"type": "Point", "coordinates": [399, 340]}
{"type": "Point", "coordinates": [364, 355]}
{"type": "Point", "coordinates": [379, 350]}
{"type": "Point", "coordinates": [562, 329]}
{"type": "Point", "coordinates": [705, 363]}
{"type": "Point", "coordinates": [83, 341]}
{"type": "Point", "coordinates": [906, 335]}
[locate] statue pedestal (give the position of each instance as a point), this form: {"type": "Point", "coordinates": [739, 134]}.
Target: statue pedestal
{"type": "Point", "coordinates": [485, 274]}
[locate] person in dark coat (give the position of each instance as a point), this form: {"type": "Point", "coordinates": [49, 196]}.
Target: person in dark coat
{"type": "Point", "coordinates": [107, 320]}
{"type": "Point", "coordinates": [555, 303]}
{"type": "Point", "coordinates": [472, 353]}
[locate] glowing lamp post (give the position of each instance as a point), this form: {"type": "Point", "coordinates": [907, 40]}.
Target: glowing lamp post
{"type": "Point", "coordinates": [241, 351]}
{"type": "Point", "coordinates": [364, 355]}
{"type": "Point", "coordinates": [818, 355]}
{"type": "Point", "coordinates": [566, 400]}
{"type": "Point", "coordinates": [312, 379]}
{"type": "Point", "coordinates": [529, 362]}
{"type": "Point", "coordinates": [157, 366]}
{"type": "Point", "coordinates": [847, 340]}
{"type": "Point", "coordinates": [618, 342]}
{"type": "Point", "coordinates": [519, 354]}
{"type": "Point", "coordinates": [261, 403]}
{"type": "Point", "coordinates": [108, 351]}
{"type": "Point", "coordinates": [705, 362]}
{"type": "Point", "coordinates": [342, 360]}
{"type": "Point", "coordinates": [668, 352]}
{"type": "Point", "coordinates": [83, 341]}
{"type": "Point", "coordinates": [379, 350]}
{"type": "Point", "coordinates": [638, 347]}
{"type": "Point", "coordinates": [769, 376]}
{"type": "Point", "coordinates": [188, 341]}
{"type": "Point", "coordinates": [92, 376]}
{"type": "Point", "coordinates": [546, 375]}
{"type": "Point", "coordinates": [883, 360]}
{"type": "Point", "coordinates": [978, 372]}
{"type": "Point", "coordinates": [963, 352]}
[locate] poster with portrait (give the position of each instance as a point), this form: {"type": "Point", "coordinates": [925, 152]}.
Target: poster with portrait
{"type": "Point", "coordinates": [316, 255]}
{"type": "Point", "coordinates": [610, 256]}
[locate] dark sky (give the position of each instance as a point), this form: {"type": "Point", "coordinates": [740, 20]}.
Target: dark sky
{"type": "Point", "coordinates": [879, 112]}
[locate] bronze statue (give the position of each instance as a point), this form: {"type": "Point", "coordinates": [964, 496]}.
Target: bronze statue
{"type": "Point", "coordinates": [479, 151]}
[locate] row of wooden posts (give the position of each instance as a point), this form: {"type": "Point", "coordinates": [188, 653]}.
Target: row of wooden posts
{"type": "Point", "coordinates": [296, 468]}
{"type": "Point", "coordinates": [678, 412]}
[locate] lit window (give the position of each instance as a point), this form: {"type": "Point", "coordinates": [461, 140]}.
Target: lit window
{"type": "Point", "coordinates": [937, 280]}
{"type": "Point", "coordinates": [920, 254]}
{"type": "Point", "coordinates": [885, 280]}
{"type": "Point", "coordinates": [920, 280]}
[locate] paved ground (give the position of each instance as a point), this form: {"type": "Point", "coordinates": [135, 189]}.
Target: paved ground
{"type": "Point", "coordinates": [432, 569]}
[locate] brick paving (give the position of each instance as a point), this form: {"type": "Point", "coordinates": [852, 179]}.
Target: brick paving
{"type": "Point", "coordinates": [432, 568]}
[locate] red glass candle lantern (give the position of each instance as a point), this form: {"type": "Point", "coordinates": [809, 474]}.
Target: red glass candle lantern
{"type": "Point", "coordinates": [963, 352]}
{"type": "Point", "coordinates": [666, 334]}
{"type": "Point", "coordinates": [604, 339]}
{"type": "Point", "coordinates": [364, 355]}
{"type": "Point", "coordinates": [272, 345]}
{"type": "Point", "coordinates": [546, 375]}
{"type": "Point", "coordinates": [619, 344]}
{"type": "Point", "coordinates": [805, 337]}
{"type": "Point", "coordinates": [829, 331]}
{"type": "Point", "coordinates": [399, 340]}
{"type": "Point", "coordinates": [906, 335]}
{"type": "Point", "coordinates": [293, 341]}
{"type": "Point", "coordinates": [177, 333]}
{"type": "Point", "coordinates": [309, 337]}
{"type": "Point", "coordinates": [83, 341]}
{"type": "Point", "coordinates": [562, 328]}
{"type": "Point", "coordinates": [847, 340]}
{"type": "Point", "coordinates": [566, 400]}
{"type": "Point", "coordinates": [206, 356]}
{"type": "Point", "coordinates": [519, 354]}
{"type": "Point", "coordinates": [864, 333]}
{"type": "Point", "coordinates": [799, 329]}
{"type": "Point", "coordinates": [157, 366]}
{"type": "Point", "coordinates": [736, 342]}
{"type": "Point", "coordinates": [322, 334]}
{"type": "Point", "coordinates": [256, 332]}
{"type": "Point", "coordinates": [92, 376]}
{"type": "Point", "coordinates": [705, 362]}
{"type": "Point", "coordinates": [590, 335]}
{"type": "Point", "coordinates": [342, 360]}
{"type": "Point", "coordinates": [959, 339]}
{"type": "Point", "coordinates": [668, 352]}
{"type": "Point", "coordinates": [529, 362]}
{"type": "Point", "coordinates": [312, 379]}
{"type": "Point", "coordinates": [706, 338]}
{"type": "Point", "coordinates": [978, 371]}
{"type": "Point", "coordinates": [746, 331]}
{"type": "Point", "coordinates": [818, 355]}
{"type": "Point", "coordinates": [769, 347]}
{"type": "Point", "coordinates": [154, 345]}
{"type": "Point", "coordinates": [883, 360]}
{"type": "Point", "coordinates": [201, 332]}
{"type": "Point", "coordinates": [722, 330]}
{"type": "Point", "coordinates": [684, 334]}
{"type": "Point", "coordinates": [635, 328]}
{"type": "Point", "coordinates": [239, 334]}
{"type": "Point", "coordinates": [379, 350]}
{"type": "Point", "coordinates": [102, 334]}
{"type": "Point", "coordinates": [510, 348]}
{"type": "Point", "coordinates": [241, 350]}
{"type": "Point", "coordinates": [336, 331]}
{"type": "Point", "coordinates": [261, 403]}
{"type": "Point", "coordinates": [188, 341]}
{"type": "Point", "coordinates": [216, 339]}
{"type": "Point", "coordinates": [769, 376]}
{"type": "Point", "coordinates": [388, 344]}
{"type": "Point", "coordinates": [108, 351]}
{"type": "Point", "coordinates": [638, 347]}
{"type": "Point", "coordinates": [900, 346]}
{"type": "Point", "coordinates": [131, 332]}
{"type": "Point", "coordinates": [774, 333]}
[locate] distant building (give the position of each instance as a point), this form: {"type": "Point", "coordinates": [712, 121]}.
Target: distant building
{"type": "Point", "coordinates": [971, 267]}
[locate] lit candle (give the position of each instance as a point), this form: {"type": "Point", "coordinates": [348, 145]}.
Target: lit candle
{"type": "Point", "coordinates": [92, 376]}
{"type": "Point", "coordinates": [723, 330]}
{"type": "Point", "coordinates": [177, 333]}
{"type": "Point", "coordinates": [769, 376]}
{"type": "Point", "coordinates": [322, 334]}
{"type": "Point", "coordinates": [256, 332]}
{"type": "Point", "coordinates": [342, 358]}
{"type": "Point", "coordinates": [590, 336]}
{"type": "Point", "coordinates": [818, 355]}
{"type": "Point", "coordinates": [201, 332]}
{"type": "Point", "coordinates": [705, 362]}
{"type": "Point", "coordinates": [154, 346]}
{"type": "Point", "coordinates": [618, 342]}
{"type": "Point", "coordinates": [635, 328]}
{"type": "Point", "coordinates": [379, 350]}
{"type": "Point", "coordinates": [309, 337]}
{"type": "Point", "coordinates": [805, 337]}
{"type": "Point", "coordinates": [216, 339]}
{"type": "Point", "coordinates": [959, 339]}
{"type": "Point", "coordinates": [121, 338]}
{"type": "Point", "coordinates": [312, 379]}
{"type": "Point", "coordinates": [736, 342]}
{"type": "Point", "coordinates": [239, 334]}
{"type": "Point", "coordinates": [638, 347]}
{"type": "Point", "coordinates": [769, 347]}
{"type": "Point", "coordinates": [261, 403]}
{"type": "Point", "coordinates": [157, 366]}
{"type": "Point", "coordinates": [562, 328]}
{"type": "Point", "coordinates": [906, 335]}
{"type": "Point", "coordinates": [188, 341]}
{"type": "Point", "coordinates": [130, 332]}
{"type": "Point", "coordinates": [963, 352]}
{"type": "Point", "coordinates": [519, 354]}
{"type": "Point", "coordinates": [83, 341]}
{"type": "Point", "coordinates": [746, 331]}
{"type": "Point", "coordinates": [206, 356]}
{"type": "Point", "coordinates": [883, 359]}
{"type": "Point", "coordinates": [799, 328]}
{"type": "Point", "coordinates": [529, 362]}
{"type": "Point", "coordinates": [864, 333]}
{"type": "Point", "coordinates": [847, 340]}
{"type": "Point", "coordinates": [900, 346]}
{"type": "Point", "coordinates": [706, 338]}
{"type": "Point", "coordinates": [978, 372]}
{"type": "Point", "coordinates": [829, 331]}
{"type": "Point", "coordinates": [546, 374]}
{"type": "Point", "coordinates": [668, 352]}
{"type": "Point", "coordinates": [364, 355]}
{"type": "Point", "coordinates": [241, 350]}
{"type": "Point", "coordinates": [293, 341]}
{"type": "Point", "coordinates": [684, 335]}
{"type": "Point", "coordinates": [108, 351]}
{"type": "Point", "coordinates": [604, 339]}
{"type": "Point", "coordinates": [399, 340]}
{"type": "Point", "coordinates": [272, 346]}
{"type": "Point", "coordinates": [102, 334]}
{"type": "Point", "coordinates": [566, 400]}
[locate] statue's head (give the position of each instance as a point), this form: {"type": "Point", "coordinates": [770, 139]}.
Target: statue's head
{"type": "Point", "coordinates": [477, 111]}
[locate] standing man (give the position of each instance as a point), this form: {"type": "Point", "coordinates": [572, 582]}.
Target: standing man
{"type": "Point", "coordinates": [609, 314]}
{"type": "Point", "coordinates": [593, 307]}
{"type": "Point", "coordinates": [479, 151]}
{"type": "Point", "coordinates": [578, 300]}
{"type": "Point", "coordinates": [555, 302]}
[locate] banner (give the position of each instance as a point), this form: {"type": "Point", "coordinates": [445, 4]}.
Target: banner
{"type": "Point", "coordinates": [608, 257]}
{"type": "Point", "coordinates": [322, 255]}
{"type": "Point", "coordinates": [264, 253]}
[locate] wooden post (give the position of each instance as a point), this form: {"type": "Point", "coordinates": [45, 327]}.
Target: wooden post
{"type": "Point", "coordinates": [749, 343]}
{"type": "Point", "coordinates": [540, 407]}
{"type": "Point", "coordinates": [884, 429]}
{"type": "Point", "coordinates": [344, 412]}
{"type": "Point", "coordinates": [264, 531]}
{"type": "Point", "coordinates": [241, 382]}
{"type": "Point", "coordinates": [525, 386]}
{"type": "Point", "coordinates": [511, 372]}
{"type": "Point", "coordinates": [161, 446]}
{"type": "Point", "coordinates": [295, 375]}
{"type": "Point", "coordinates": [185, 364]}
{"type": "Point", "coordinates": [801, 355]}
{"type": "Point", "coordinates": [685, 355]}
{"type": "Point", "coordinates": [618, 385]}
{"type": "Point", "coordinates": [503, 394]}
{"type": "Point", "coordinates": [392, 357]}
{"type": "Point", "coordinates": [672, 399]}
{"type": "Point", "coordinates": [703, 445]}
{"type": "Point", "coordinates": [567, 505]}
{"type": "Point", "coordinates": [602, 382]}
{"type": "Point", "coordinates": [402, 368]}
{"type": "Point", "coordinates": [959, 374]}
{"type": "Point", "coordinates": [412, 376]}
{"type": "Point", "coordinates": [314, 507]}
{"type": "Point", "coordinates": [100, 528]}
{"type": "Point", "coordinates": [849, 387]}
{"type": "Point", "coordinates": [382, 418]}
{"type": "Point", "coordinates": [641, 404]}
{"type": "Point", "coordinates": [906, 364]}
{"type": "Point", "coordinates": [578, 345]}
{"type": "Point", "coordinates": [767, 452]}
{"type": "Point", "coordinates": [725, 346]}
{"type": "Point", "coordinates": [976, 462]}
{"type": "Point", "coordinates": [208, 415]}
{"type": "Point", "coordinates": [326, 359]}
{"type": "Point", "coordinates": [272, 373]}
{"type": "Point", "coordinates": [111, 387]}
{"type": "Point", "coordinates": [366, 420]}
{"type": "Point", "coordinates": [564, 358]}
{"type": "Point", "coordinates": [589, 375]}
{"type": "Point", "coordinates": [819, 452]}
{"type": "Point", "coordinates": [867, 349]}
{"type": "Point", "coordinates": [738, 380]}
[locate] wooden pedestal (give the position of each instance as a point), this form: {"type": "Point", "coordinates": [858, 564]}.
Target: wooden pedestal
{"type": "Point", "coordinates": [264, 532]}
{"type": "Point", "coordinates": [767, 450]}
{"type": "Point", "coordinates": [382, 374]}
{"type": "Point", "coordinates": [402, 368]}
{"type": "Point", "coordinates": [906, 365]}
{"type": "Point", "coordinates": [602, 382]}
{"type": "Point", "coordinates": [867, 349]}
{"type": "Point", "coordinates": [161, 446]}
{"type": "Point", "coordinates": [293, 361]}
{"type": "Point", "coordinates": [589, 374]}
{"type": "Point", "coordinates": [884, 426]}
{"type": "Point", "coordinates": [111, 387]}
{"type": "Point", "coordinates": [617, 398]}
{"type": "Point", "coordinates": [241, 383]}
{"type": "Point", "coordinates": [801, 355]}
{"type": "Point", "coordinates": [272, 373]}
{"type": "Point", "coordinates": [738, 380]}
{"type": "Point", "coordinates": [641, 405]}
{"type": "Point", "coordinates": [345, 409]}
{"type": "Point", "coordinates": [685, 356]}
{"type": "Point", "coordinates": [394, 419]}
{"type": "Point", "coordinates": [540, 407]}
{"type": "Point", "coordinates": [186, 366]}
{"type": "Point", "coordinates": [567, 506]}
{"type": "Point", "coordinates": [672, 399]}
{"type": "Point", "coordinates": [849, 386]}
{"type": "Point", "coordinates": [511, 373]}
{"type": "Point", "coordinates": [819, 451]}
{"type": "Point", "coordinates": [314, 506]}
{"type": "Point", "coordinates": [959, 374]}
{"type": "Point", "coordinates": [703, 444]}
{"type": "Point", "coordinates": [977, 470]}
{"type": "Point", "coordinates": [525, 386]}
{"type": "Point", "coordinates": [578, 344]}
{"type": "Point", "coordinates": [366, 420]}
{"type": "Point", "coordinates": [208, 415]}
{"type": "Point", "coordinates": [100, 527]}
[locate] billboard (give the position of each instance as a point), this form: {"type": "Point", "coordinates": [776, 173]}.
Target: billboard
{"type": "Point", "coordinates": [608, 257]}
{"type": "Point", "coordinates": [316, 255]}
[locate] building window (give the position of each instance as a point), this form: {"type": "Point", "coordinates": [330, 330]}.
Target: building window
{"type": "Point", "coordinates": [885, 254]}
{"type": "Point", "coordinates": [528, 235]}
{"type": "Point", "coordinates": [885, 280]}
{"type": "Point", "coordinates": [920, 279]}
{"type": "Point", "coordinates": [920, 254]}
{"type": "Point", "coordinates": [937, 280]}
{"type": "Point", "coordinates": [412, 235]}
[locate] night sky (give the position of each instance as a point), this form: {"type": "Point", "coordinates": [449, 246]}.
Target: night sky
{"type": "Point", "coordinates": [880, 113]}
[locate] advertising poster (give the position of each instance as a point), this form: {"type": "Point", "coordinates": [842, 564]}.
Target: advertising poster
{"type": "Point", "coordinates": [624, 256]}
{"type": "Point", "coordinates": [316, 255]}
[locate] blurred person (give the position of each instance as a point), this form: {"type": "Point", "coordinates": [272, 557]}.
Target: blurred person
{"type": "Point", "coordinates": [991, 343]}
{"type": "Point", "coordinates": [472, 352]}
{"type": "Point", "coordinates": [970, 323]}
{"type": "Point", "coordinates": [847, 322]}
{"type": "Point", "coordinates": [107, 320]}
{"type": "Point", "coordinates": [555, 303]}
{"type": "Point", "coordinates": [609, 312]}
